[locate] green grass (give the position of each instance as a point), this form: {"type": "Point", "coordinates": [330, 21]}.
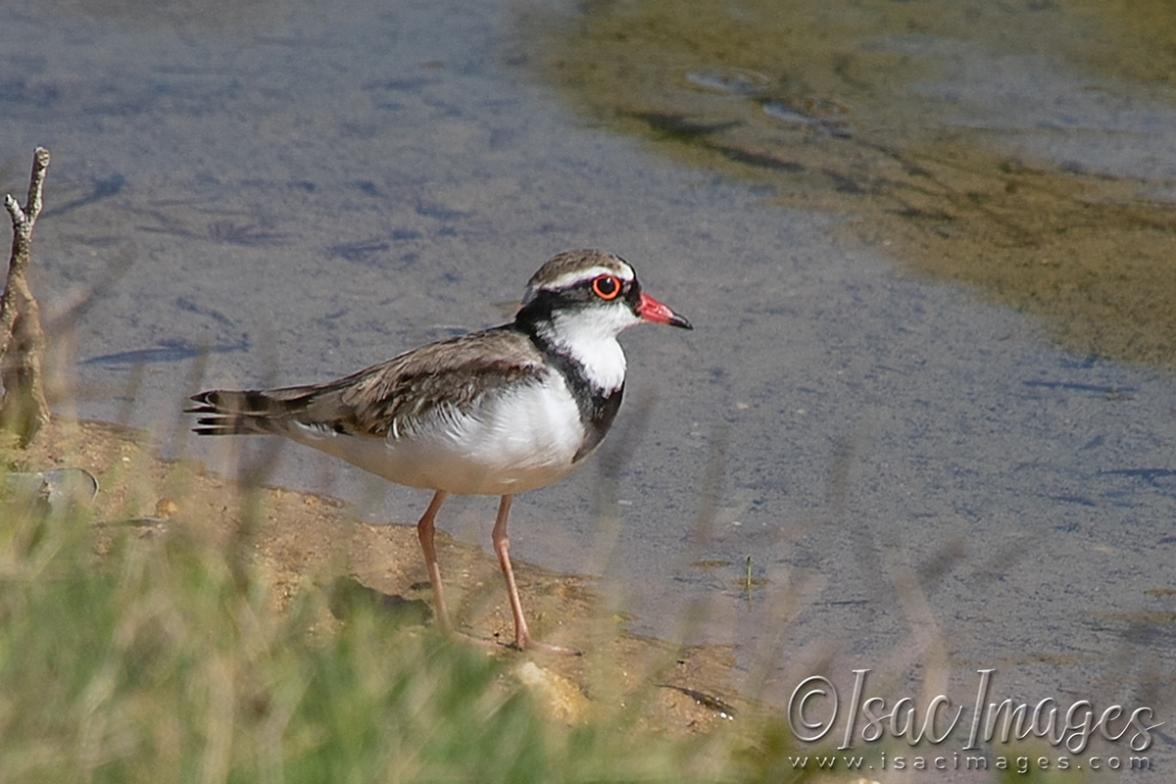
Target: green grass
{"type": "Point", "coordinates": [162, 658]}
{"type": "Point", "coordinates": [157, 661]}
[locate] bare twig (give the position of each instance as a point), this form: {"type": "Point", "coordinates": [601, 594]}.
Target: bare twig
{"type": "Point", "coordinates": [22, 341]}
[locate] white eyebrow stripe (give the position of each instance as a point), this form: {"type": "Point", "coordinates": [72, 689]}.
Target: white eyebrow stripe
{"type": "Point", "coordinates": [568, 279]}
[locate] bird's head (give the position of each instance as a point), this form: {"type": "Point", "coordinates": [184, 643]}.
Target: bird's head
{"type": "Point", "coordinates": [591, 291]}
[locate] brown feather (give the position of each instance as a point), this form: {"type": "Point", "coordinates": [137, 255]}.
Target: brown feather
{"type": "Point", "coordinates": [395, 396]}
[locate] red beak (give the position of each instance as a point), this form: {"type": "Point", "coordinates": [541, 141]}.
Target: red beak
{"type": "Point", "coordinates": [652, 310]}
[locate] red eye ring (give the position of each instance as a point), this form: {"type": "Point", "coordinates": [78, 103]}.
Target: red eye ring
{"type": "Point", "coordinates": [607, 287]}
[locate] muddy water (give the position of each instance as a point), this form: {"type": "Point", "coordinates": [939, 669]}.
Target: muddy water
{"type": "Point", "coordinates": [875, 405]}
{"type": "Point", "coordinates": [1026, 148]}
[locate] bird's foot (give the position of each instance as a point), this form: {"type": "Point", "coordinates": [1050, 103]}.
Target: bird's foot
{"type": "Point", "coordinates": [530, 644]}
{"type": "Point", "coordinates": [525, 643]}
{"type": "Point", "coordinates": [467, 638]}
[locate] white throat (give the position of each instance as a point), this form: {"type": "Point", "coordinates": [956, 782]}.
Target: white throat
{"type": "Point", "coordinates": [590, 337]}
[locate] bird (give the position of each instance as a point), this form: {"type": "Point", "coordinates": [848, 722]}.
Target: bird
{"type": "Point", "coordinates": [494, 412]}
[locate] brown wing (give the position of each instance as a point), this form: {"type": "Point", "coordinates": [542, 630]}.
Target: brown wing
{"type": "Point", "coordinates": [395, 396]}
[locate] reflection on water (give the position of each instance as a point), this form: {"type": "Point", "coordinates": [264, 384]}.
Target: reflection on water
{"type": "Point", "coordinates": [1024, 147]}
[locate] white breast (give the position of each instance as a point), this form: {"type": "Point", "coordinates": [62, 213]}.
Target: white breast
{"type": "Point", "coordinates": [512, 441]}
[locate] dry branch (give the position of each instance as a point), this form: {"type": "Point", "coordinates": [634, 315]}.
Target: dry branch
{"type": "Point", "coordinates": [23, 409]}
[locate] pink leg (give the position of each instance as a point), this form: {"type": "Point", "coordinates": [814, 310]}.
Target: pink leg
{"type": "Point", "coordinates": [502, 548]}
{"type": "Point", "coordinates": [425, 534]}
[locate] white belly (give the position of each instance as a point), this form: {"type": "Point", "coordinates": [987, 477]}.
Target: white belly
{"type": "Point", "coordinates": [511, 442]}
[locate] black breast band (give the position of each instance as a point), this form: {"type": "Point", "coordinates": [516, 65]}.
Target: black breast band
{"type": "Point", "coordinates": [598, 407]}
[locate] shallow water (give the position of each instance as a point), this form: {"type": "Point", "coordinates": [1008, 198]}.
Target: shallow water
{"type": "Point", "coordinates": [874, 393]}
{"type": "Point", "coordinates": [1026, 148]}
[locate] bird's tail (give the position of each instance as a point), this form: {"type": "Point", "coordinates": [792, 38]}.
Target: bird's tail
{"type": "Point", "coordinates": [240, 412]}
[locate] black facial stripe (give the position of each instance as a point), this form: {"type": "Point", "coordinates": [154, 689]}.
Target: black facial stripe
{"type": "Point", "coordinates": [632, 294]}
{"type": "Point", "coordinates": [540, 309]}
{"type": "Point", "coordinates": [546, 301]}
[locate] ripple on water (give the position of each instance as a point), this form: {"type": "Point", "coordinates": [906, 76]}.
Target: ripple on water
{"type": "Point", "coordinates": [731, 81]}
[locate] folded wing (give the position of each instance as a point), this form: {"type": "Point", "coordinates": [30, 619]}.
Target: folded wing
{"type": "Point", "coordinates": [391, 399]}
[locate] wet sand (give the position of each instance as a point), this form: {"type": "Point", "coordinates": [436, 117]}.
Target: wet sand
{"type": "Point", "coordinates": [305, 542]}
